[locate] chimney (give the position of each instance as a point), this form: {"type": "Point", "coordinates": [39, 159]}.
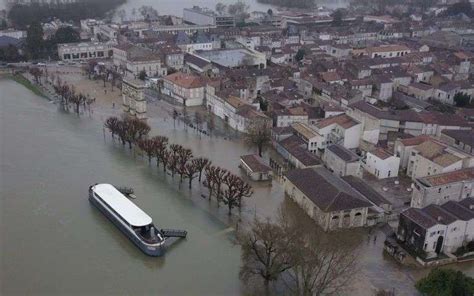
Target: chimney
{"type": "Point", "coordinates": [471, 207]}
{"type": "Point", "coordinates": [439, 218]}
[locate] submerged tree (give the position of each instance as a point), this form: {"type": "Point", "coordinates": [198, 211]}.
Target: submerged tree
{"type": "Point", "coordinates": [292, 249]}
{"type": "Point", "coordinates": [258, 134]}
{"type": "Point", "coordinates": [136, 129]}
{"type": "Point", "coordinates": [190, 171]}
{"type": "Point", "coordinates": [148, 146]}
{"type": "Point", "coordinates": [77, 100]}
{"type": "Point", "coordinates": [161, 144]}
{"type": "Point", "coordinates": [200, 163]}
{"type": "Point", "coordinates": [111, 124]}
{"type": "Point", "coordinates": [184, 156]}
{"type": "Point", "coordinates": [265, 252]}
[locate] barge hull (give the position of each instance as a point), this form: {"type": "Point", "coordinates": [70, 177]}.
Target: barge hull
{"type": "Point", "coordinates": [155, 252]}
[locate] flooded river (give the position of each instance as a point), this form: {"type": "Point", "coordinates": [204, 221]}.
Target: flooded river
{"type": "Point", "coordinates": [52, 241]}
{"type": "Point", "coordinates": [175, 7]}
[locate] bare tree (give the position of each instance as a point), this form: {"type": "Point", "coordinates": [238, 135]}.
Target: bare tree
{"type": "Point", "coordinates": [190, 171]}
{"type": "Point", "coordinates": [210, 172]}
{"type": "Point", "coordinates": [122, 131]}
{"type": "Point", "coordinates": [230, 196]}
{"type": "Point", "coordinates": [161, 144]}
{"type": "Point", "coordinates": [174, 158]}
{"type": "Point", "coordinates": [235, 191]}
{"type": "Point", "coordinates": [319, 268]}
{"type": "Point", "coordinates": [111, 125]}
{"type": "Point", "coordinates": [148, 146]}
{"type": "Point", "coordinates": [201, 163]}
{"type": "Point", "coordinates": [184, 155]}
{"type": "Point", "coordinates": [265, 252]}
{"type": "Point", "coordinates": [135, 129]}
{"type": "Point", "coordinates": [219, 177]}
{"type": "Point", "coordinates": [77, 100]}
{"type": "Point", "coordinates": [165, 158]}
{"type": "Point", "coordinates": [292, 249]}
{"type": "Point", "coordinates": [243, 189]}
{"type": "Point", "coordinates": [258, 134]}
{"type": "Point", "coordinates": [36, 73]}
{"type": "Point", "coordinates": [321, 264]}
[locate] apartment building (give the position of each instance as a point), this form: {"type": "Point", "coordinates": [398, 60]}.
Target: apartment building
{"type": "Point", "coordinates": [438, 189]}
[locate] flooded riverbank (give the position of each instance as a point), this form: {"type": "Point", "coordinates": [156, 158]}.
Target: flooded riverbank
{"type": "Point", "coordinates": [54, 242]}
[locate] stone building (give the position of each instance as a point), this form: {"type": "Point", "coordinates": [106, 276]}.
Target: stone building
{"type": "Point", "coordinates": [438, 189]}
{"type": "Point", "coordinates": [327, 199]}
{"type": "Point", "coordinates": [437, 229]}
{"type": "Point", "coordinates": [134, 102]}
{"type": "Point", "coordinates": [342, 161]}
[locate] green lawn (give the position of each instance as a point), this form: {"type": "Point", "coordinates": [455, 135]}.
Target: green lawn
{"type": "Point", "coordinates": [26, 83]}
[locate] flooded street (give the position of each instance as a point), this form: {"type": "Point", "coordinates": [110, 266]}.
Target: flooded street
{"type": "Point", "coordinates": [52, 241]}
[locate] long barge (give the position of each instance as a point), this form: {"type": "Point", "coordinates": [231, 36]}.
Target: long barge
{"type": "Point", "coordinates": [131, 220]}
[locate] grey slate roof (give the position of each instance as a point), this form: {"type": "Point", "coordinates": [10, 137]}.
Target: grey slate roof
{"type": "Point", "coordinates": [463, 136]}
{"type": "Point", "coordinates": [439, 214]}
{"type": "Point", "coordinates": [419, 217]}
{"type": "Point", "coordinates": [195, 60]}
{"type": "Point", "coordinates": [458, 210]}
{"type": "Point", "coordinates": [322, 193]}
{"type": "Point", "coordinates": [468, 203]}
{"type": "Point", "coordinates": [343, 153]}
{"type": "Point", "coordinates": [255, 163]}
{"type": "Point", "coordinates": [367, 191]}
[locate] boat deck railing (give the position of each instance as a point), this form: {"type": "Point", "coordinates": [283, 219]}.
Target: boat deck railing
{"type": "Point", "coordinates": [174, 233]}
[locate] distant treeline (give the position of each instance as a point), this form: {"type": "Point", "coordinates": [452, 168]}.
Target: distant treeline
{"type": "Point", "coordinates": [290, 3]}
{"type": "Point", "coordinates": [23, 15]}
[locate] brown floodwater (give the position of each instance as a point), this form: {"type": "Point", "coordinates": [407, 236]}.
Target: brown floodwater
{"type": "Point", "coordinates": [53, 242]}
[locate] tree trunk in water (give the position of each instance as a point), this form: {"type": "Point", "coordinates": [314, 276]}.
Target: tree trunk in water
{"type": "Point", "coordinates": [210, 191]}
{"type": "Point", "coordinates": [266, 284]}
{"type": "Point", "coordinates": [190, 182]}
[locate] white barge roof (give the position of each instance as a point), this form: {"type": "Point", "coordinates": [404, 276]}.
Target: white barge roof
{"type": "Point", "coordinates": [122, 205]}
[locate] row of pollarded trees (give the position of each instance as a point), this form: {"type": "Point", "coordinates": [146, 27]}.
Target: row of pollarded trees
{"type": "Point", "coordinates": [224, 186]}
{"type": "Point", "coordinates": [70, 97]}
{"type": "Point", "coordinates": [96, 71]}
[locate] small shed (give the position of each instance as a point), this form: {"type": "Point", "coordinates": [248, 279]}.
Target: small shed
{"type": "Point", "coordinates": [255, 167]}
